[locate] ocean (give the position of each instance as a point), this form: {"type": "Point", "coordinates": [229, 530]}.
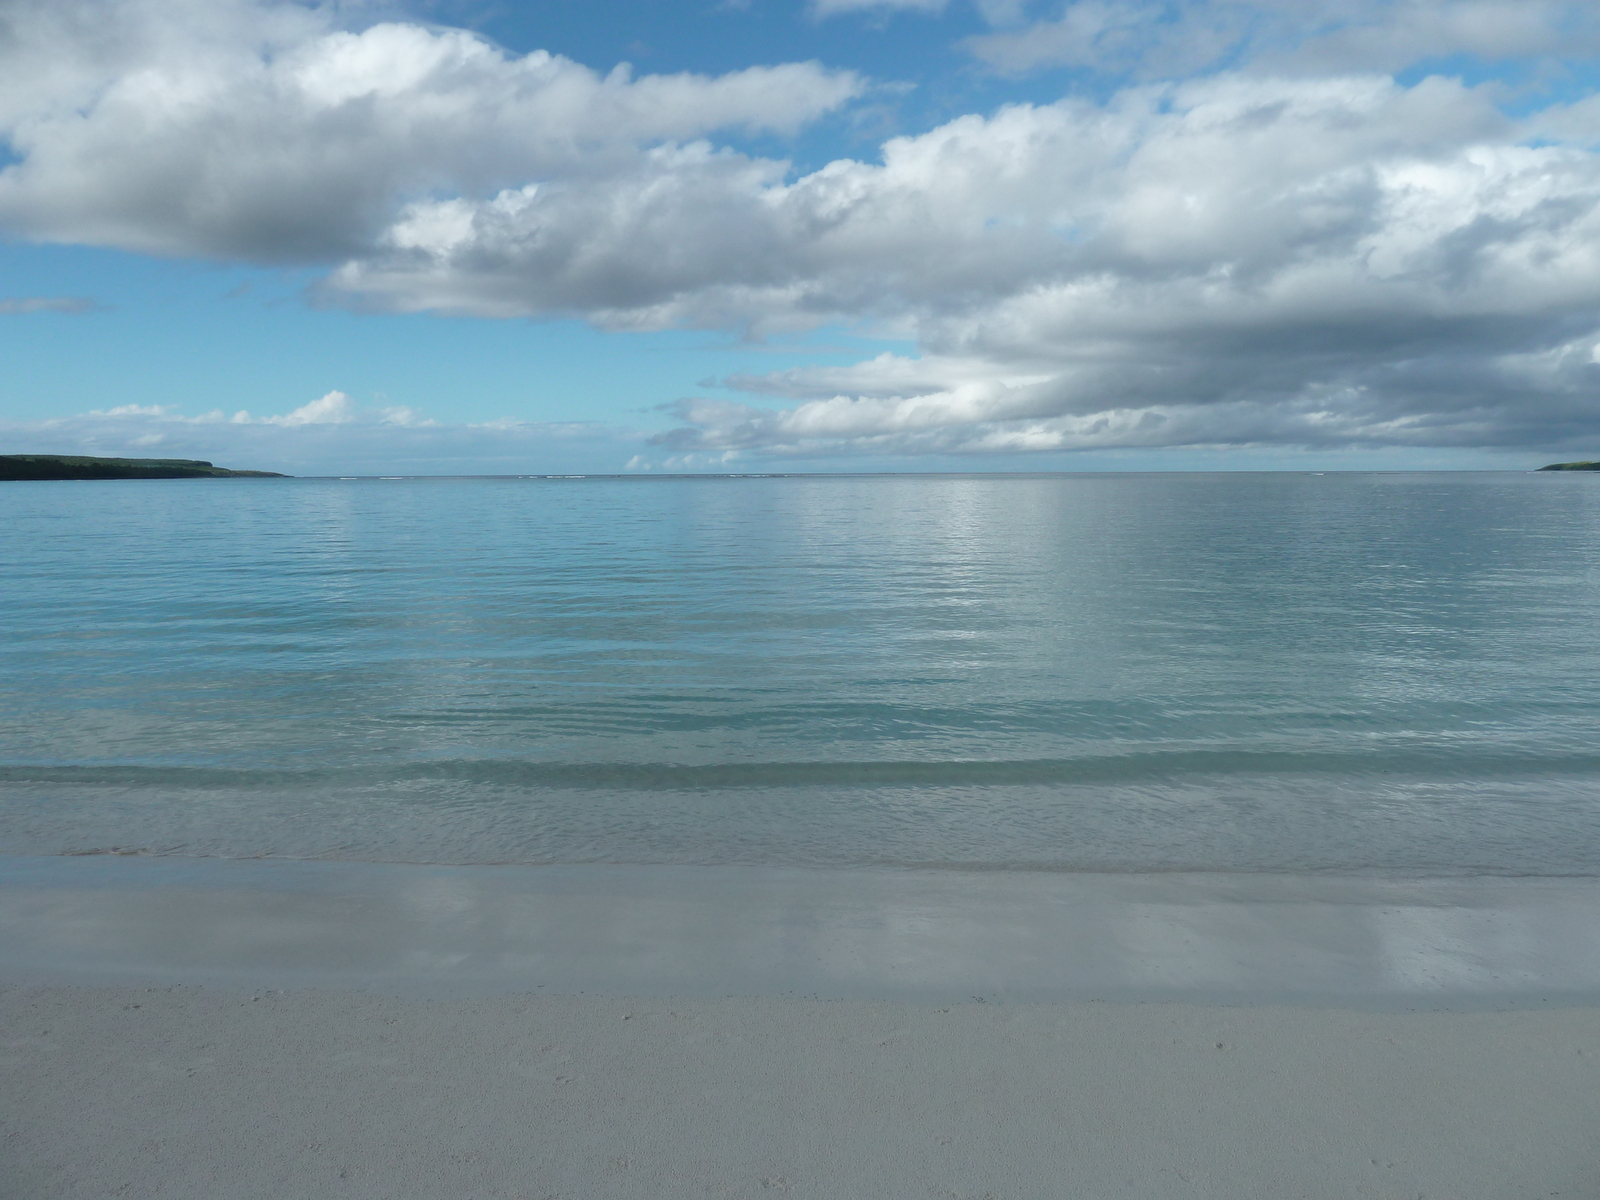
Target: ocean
{"type": "Point", "coordinates": [1389, 674]}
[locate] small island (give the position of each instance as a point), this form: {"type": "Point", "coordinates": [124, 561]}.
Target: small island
{"type": "Point", "coordinates": [1577, 466]}
{"type": "Point", "coordinates": [76, 466]}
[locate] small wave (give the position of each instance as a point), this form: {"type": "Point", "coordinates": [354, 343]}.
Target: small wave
{"type": "Point", "coordinates": [1147, 767]}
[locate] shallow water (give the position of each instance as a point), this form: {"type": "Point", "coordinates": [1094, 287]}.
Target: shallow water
{"type": "Point", "coordinates": [1342, 672]}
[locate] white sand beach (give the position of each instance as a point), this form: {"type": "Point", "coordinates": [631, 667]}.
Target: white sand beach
{"type": "Point", "coordinates": [214, 1093]}
{"type": "Point", "coordinates": [207, 1031]}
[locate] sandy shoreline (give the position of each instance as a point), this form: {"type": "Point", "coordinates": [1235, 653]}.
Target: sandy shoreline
{"type": "Point", "coordinates": [911, 935]}
{"type": "Point", "coordinates": [209, 1030]}
{"type": "Point", "coordinates": [199, 1092]}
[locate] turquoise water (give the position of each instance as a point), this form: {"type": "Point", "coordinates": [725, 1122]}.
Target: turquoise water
{"type": "Point", "coordinates": [1341, 672]}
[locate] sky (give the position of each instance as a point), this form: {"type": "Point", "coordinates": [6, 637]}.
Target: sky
{"type": "Point", "coordinates": [491, 237]}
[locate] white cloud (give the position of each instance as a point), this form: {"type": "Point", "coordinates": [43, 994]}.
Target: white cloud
{"type": "Point", "coordinates": [331, 436]}
{"type": "Point", "coordinates": [22, 305]}
{"type": "Point", "coordinates": [1293, 258]}
{"type": "Point", "coordinates": [258, 131]}
{"type": "Point", "coordinates": [335, 408]}
{"type": "Point", "coordinates": [1154, 39]}
{"type": "Point", "coordinates": [831, 8]}
{"type": "Point", "coordinates": [1337, 260]}
{"type": "Point", "coordinates": [995, 12]}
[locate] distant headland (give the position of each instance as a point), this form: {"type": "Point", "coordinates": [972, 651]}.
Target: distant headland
{"type": "Point", "coordinates": [76, 466]}
{"type": "Point", "coordinates": [1578, 466]}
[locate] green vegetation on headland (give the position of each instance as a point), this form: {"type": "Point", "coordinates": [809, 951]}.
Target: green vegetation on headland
{"type": "Point", "coordinates": [74, 466]}
{"type": "Point", "coordinates": [1582, 466]}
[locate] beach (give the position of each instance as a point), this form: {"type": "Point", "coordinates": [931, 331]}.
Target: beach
{"type": "Point", "coordinates": [235, 1029]}
{"type": "Point", "coordinates": [1145, 836]}
{"type": "Point", "coordinates": [846, 599]}
{"type": "Point", "coordinates": [212, 1093]}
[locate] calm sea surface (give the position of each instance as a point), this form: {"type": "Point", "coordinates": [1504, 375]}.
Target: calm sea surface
{"type": "Point", "coordinates": [1115, 672]}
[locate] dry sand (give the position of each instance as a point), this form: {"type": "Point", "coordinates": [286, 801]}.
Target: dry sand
{"type": "Point", "coordinates": [215, 1093]}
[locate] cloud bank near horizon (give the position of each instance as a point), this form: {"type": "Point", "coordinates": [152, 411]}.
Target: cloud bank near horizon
{"type": "Point", "coordinates": [336, 435]}
{"type": "Point", "coordinates": [1297, 251]}
{"type": "Point", "coordinates": [332, 435]}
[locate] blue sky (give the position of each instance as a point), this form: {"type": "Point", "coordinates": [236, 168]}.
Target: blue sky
{"type": "Point", "coordinates": [459, 236]}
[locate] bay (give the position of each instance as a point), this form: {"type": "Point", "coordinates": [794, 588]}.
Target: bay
{"type": "Point", "coordinates": [1229, 672]}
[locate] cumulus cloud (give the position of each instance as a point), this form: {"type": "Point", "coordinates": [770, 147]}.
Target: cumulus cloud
{"type": "Point", "coordinates": [256, 131]}
{"type": "Point", "coordinates": [1306, 256]}
{"type": "Point", "coordinates": [335, 408]}
{"type": "Point", "coordinates": [1322, 261]}
{"type": "Point", "coordinates": [21, 305]}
